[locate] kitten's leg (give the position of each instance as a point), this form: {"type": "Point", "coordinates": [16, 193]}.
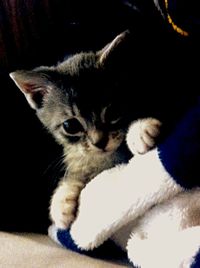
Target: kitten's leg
{"type": "Point", "coordinates": [64, 202]}
{"type": "Point", "coordinates": [142, 135]}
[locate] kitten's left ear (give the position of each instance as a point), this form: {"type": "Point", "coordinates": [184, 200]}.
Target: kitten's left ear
{"type": "Point", "coordinates": [105, 53]}
{"type": "Point", "coordinates": [33, 84]}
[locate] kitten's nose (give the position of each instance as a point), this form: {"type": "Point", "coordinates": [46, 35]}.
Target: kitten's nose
{"type": "Point", "coordinates": [101, 144]}
{"type": "Point", "coordinates": [98, 139]}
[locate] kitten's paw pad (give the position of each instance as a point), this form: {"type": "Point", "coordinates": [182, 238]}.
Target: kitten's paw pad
{"type": "Point", "coordinates": [142, 135]}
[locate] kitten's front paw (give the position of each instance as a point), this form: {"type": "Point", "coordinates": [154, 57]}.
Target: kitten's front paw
{"type": "Point", "coordinates": [142, 134]}
{"type": "Point", "coordinates": [64, 204]}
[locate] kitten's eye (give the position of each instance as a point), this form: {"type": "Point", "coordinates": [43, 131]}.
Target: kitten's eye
{"type": "Point", "coordinates": [72, 126]}
{"type": "Point", "coordinates": [112, 116]}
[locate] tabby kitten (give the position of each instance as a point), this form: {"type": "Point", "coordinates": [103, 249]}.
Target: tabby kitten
{"type": "Point", "coordinates": [78, 102]}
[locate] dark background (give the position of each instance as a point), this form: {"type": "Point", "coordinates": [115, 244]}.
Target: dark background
{"type": "Point", "coordinates": [36, 32]}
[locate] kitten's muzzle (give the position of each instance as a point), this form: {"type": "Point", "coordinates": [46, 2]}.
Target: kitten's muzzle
{"type": "Point", "coordinates": [98, 139]}
{"type": "Point", "coordinates": [101, 144]}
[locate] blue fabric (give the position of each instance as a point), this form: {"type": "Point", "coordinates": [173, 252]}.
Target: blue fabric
{"type": "Point", "coordinates": [196, 263]}
{"type": "Point", "coordinates": [180, 152]}
{"type": "Point", "coordinates": [66, 240]}
{"type": "Point", "coordinates": [107, 251]}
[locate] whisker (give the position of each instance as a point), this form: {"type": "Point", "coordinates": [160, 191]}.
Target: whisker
{"type": "Point", "coordinates": [56, 167]}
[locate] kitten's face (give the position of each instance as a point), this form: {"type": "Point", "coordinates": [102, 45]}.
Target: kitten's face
{"type": "Point", "coordinates": [77, 102]}
{"type": "Point", "coordinates": [83, 121]}
{"type": "Point", "coordinates": [82, 111]}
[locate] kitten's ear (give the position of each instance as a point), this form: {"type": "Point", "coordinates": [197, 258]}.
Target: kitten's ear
{"type": "Point", "coordinates": [105, 53]}
{"type": "Point", "coordinates": [34, 85]}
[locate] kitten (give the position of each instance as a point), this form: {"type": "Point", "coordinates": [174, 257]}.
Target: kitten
{"type": "Point", "coordinates": [78, 102]}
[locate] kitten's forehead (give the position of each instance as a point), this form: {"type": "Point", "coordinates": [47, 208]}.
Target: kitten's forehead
{"type": "Point", "coordinates": [86, 100]}
{"type": "Point", "coordinates": [72, 104]}
{"type": "Point", "coordinates": [81, 74]}
{"type": "Point", "coordinates": [92, 114]}
{"type": "Point", "coordinates": [81, 88]}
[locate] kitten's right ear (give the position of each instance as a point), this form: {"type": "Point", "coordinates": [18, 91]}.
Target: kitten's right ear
{"type": "Point", "coordinates": [34, 86]}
